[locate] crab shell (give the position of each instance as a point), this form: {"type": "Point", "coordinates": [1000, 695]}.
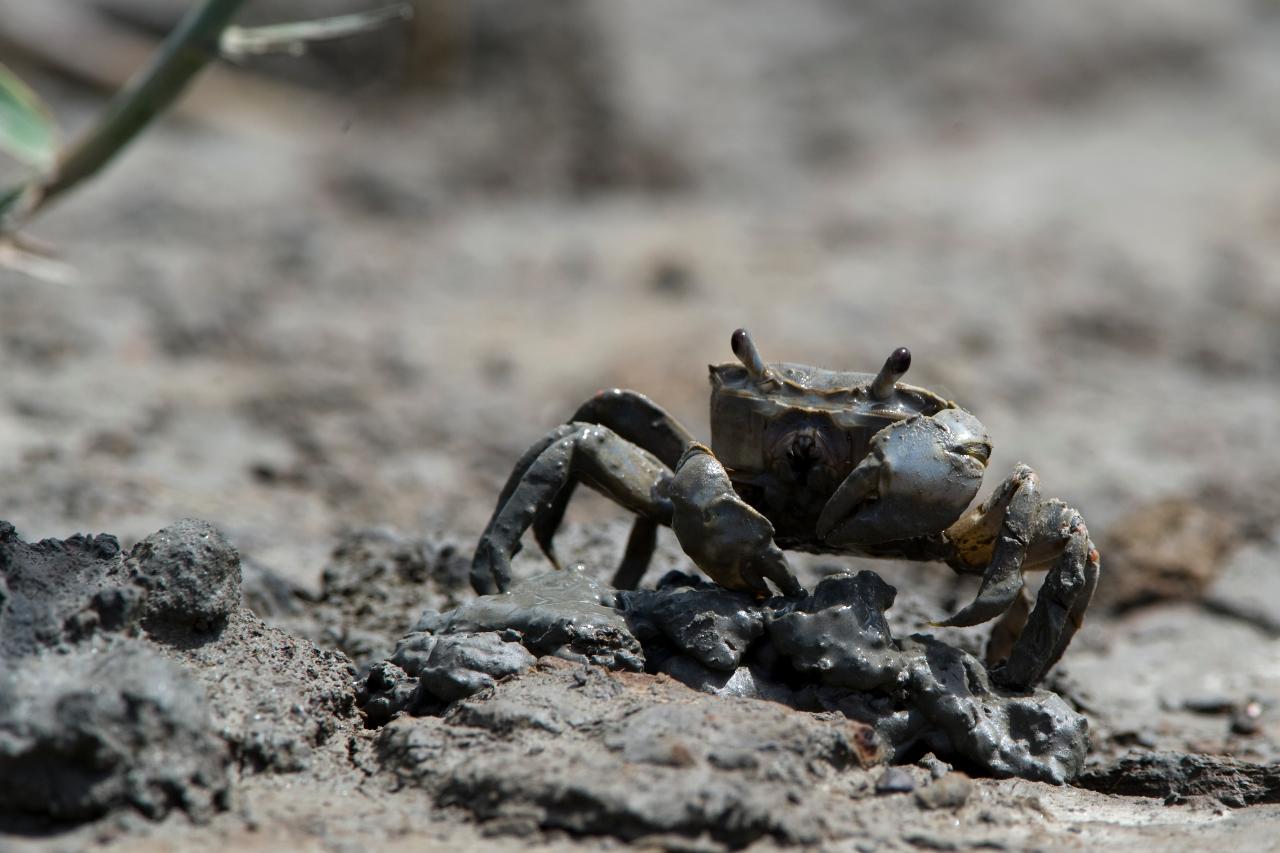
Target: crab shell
{"type": "Point", "coordinates": [789, 434]}
{"type": "Point", "coordinates": [749, 415]}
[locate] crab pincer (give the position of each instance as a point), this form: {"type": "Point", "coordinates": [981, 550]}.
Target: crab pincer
{"type": "Point", "coordinates": [721, 533]}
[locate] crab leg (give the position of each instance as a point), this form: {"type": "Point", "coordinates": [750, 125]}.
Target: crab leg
{"type": "Point", "coordinates": [1014, 531]}
{"type": "Point", "coordinates": [630, 475]}
{"type": "Point", "coordinates": [639, 420]}
{"type": "Point", "coordinates": [1014, 505]}
{"type": "Point", "coordinates": [635, 560]}
{"type": "Point", "coordinates": [644, 423]}
{"type": "Point", "coordinates": [526, 460]}
{"type": "Point", "coordinates": [728, 540]}
{"type": "Point", "coordinates": [1008, 629]}
{"type": "Point", "coordinates": [1060, 606]}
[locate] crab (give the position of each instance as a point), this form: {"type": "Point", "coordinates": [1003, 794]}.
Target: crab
{"type": "Point", "coordinates": [814, 460]}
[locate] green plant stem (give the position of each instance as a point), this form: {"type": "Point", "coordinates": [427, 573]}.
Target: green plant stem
{"type": "Point", "coordinates": [179, 59]}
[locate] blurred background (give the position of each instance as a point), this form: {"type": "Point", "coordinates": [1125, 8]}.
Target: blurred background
{"type": "Point", "coordinates": [350, 289]}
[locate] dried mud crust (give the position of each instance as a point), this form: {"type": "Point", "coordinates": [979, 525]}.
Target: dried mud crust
{"type": "Point", "coordinates": [83, 734]}
{"type": "Point", "coordinates": [573, 747]}
{"type": "Point", "coordinates": [137, 681]}
{"type": "Point", "coordinates": [376, 583]}
{"type": "Point", "coordinates": [1175, 777]}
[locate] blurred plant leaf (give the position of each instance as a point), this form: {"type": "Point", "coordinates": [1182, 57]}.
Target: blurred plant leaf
{"type": "Point", "coordinates": [27, 130]}
{"type": "Point", "coordinates": [181, 56]}
{"type": "Point", "coordinates": [292, 38]}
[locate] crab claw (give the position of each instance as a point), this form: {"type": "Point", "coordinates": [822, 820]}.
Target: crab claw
{"type": "Point", "coordinates": [995, 596]}
{"type": "Point", "coordinates": [1014, 504]}
{"type": "Point", "coordinates": [728, 540]}
{"type": "Point", "coordinates": [919, 476]}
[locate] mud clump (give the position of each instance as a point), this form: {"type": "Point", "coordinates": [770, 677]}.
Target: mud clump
{"type": "Point", "coordinates": [93, 718]}
{"type": "Point", "coordinates": [713, 626]}
{"type": "Point", "coordinates": [833, 650]}
{"type": "Point", "coordinates": [191, 575]}
{"type": "Point", "coordinates": [566, 615]}
{"type": "Point", "coordinates": [139, 682]}
{"type": "Point", "coordinates": [839, 633]}
{"type": "Point", "coordinates": [57, 592]}
{"type": "Point", "coordinates": [454, 666]}
{"type": "Point", "coordinates": [82, 734]}
{"type": "Point", "coordinates": [460, 652]}
{"type": "Point", "coordinates": [830, 651]}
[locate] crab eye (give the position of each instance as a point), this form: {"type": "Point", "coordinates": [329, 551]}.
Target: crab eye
{"type": "Point", "coordinates": [977, 449]}
{"type": "Point", "coordinates": [746, 351]}
{"type": "Point", "coordinates": [895, 367]}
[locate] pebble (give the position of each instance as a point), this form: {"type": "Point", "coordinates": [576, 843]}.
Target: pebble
{"type": "Point", "coordinates": [950, 792]}
{"type": "Point", "coordinates": [1247, 719]}
{"type": "Point", "coordinates": [895, 780]}
{"type": "Point", "coordinates": [937, 767]}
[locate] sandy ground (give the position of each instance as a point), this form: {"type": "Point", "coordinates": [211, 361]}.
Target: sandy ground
{"type": "Point", "coordinates": [358, 314]}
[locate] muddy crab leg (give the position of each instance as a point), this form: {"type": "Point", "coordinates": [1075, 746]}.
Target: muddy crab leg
{"type": "Point", "coordinates": [1014, 531]}
{"type": "Point", "coordinates": [1011, 511]}
{"type": "Point", "coordinates": [630, 475]}
{"type": "Point", "coordinates": [1060, 606]}
{"type": "Point", "coordinates": [728, 539]}
{"type": "Point", "coordinates": [1008, 629]}
{"type": "Point", "coordinates": [635, 559]}
{"type": "Point", "coordinates": [517, 476]}
{"type": "Point", "coordinates": [639, 420]}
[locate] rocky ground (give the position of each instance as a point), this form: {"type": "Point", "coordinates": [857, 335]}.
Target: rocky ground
{"type": "Point", "coordinates": [329, 328]}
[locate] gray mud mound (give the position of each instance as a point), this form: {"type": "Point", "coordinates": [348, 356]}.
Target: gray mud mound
{"type": "Point", "coordinates": [588, 751]}
{"type": "Point", "coordinates": [138, 682]}
{"type": "Point", "coordinates": [829, 651]}
{"type": "Point", "coordinates": [191, 575]}
{"type": "Point", "coordinates": [93, 730]}
{"type": "Point", "coordinates": [282, 704]}
{"type": "Point", "coordinates": [918, 691]}
{"type": "Point", "coordinates": [92, 719]}
{"type": "Point", "coordinates": [450, 655]}
{"type": "Point", "coordinates": [57, 592]}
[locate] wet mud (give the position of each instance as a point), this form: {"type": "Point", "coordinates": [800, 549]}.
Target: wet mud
{"type": "Point", "coordinates": [829, 651]}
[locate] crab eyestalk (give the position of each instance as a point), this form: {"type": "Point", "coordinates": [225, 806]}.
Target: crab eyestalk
{"type": "Point", "coordinates": [745, 349]}
{"type": "Point", "coordinates": [895, 367]}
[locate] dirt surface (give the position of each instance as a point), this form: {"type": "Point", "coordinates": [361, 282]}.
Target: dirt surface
{"type": "Point", "coordinates": [330, 330]}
